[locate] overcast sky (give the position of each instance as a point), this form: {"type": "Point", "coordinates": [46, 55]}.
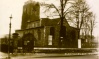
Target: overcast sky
{"type": "Point", "coordinates": [15, 7]}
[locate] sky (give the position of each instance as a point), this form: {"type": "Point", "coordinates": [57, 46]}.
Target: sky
{"type": "Point", "coordinates": [15, 8]}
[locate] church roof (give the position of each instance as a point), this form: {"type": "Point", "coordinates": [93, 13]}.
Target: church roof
{"type": "Point", "coordinates": [49, 22]}
{"type": "Point", "coordinates": [52, 22]}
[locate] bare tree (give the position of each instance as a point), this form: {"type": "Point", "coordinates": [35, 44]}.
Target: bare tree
{"type": "Point", "coordinates": [81, 17]}
{"type": "Point", "coordinates": [91, 23]}
{"type": "Point", "coordinates": [78, 13]}
{"type": "Point", "coordinates": [60, 11]}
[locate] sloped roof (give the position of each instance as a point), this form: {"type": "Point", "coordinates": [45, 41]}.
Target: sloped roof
{"type": "Point", "coordinates": [52, 22]}
{"type": "Point", "coordinates": [49, 22]}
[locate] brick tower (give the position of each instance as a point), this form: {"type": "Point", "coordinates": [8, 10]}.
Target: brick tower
{"type": "Point", "coordinates": [31, 12]}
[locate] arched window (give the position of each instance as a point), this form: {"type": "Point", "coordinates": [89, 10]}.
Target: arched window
{"type": "Point", "coordinates": [51, 35]}
{"type": "Point", "coordinates": [39, 34]}
{"type": "Point", "coordinates": [52, 31]}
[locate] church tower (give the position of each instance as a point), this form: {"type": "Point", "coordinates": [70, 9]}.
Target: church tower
{"type": "Point", "coordinates": [31, 13]}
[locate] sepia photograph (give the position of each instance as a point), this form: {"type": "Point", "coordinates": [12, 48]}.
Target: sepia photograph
{"type": "Point", "coordinates": [44, 29]}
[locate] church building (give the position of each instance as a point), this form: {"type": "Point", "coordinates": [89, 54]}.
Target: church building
{"type": "Point", "coordinates": [44, 32]}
